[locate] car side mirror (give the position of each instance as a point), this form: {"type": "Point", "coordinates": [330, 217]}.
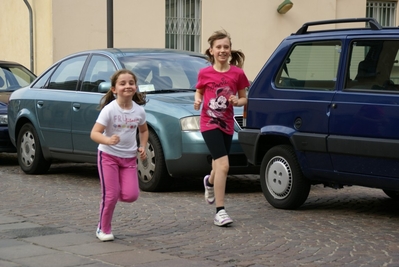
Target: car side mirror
{"type": "Point", "coordinates": [104, 87]}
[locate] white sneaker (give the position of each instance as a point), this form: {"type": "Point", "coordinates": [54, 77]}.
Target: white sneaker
{"type": "Point", "coordinates": [222, 219]}
{"type": "Point", "coordinates": [103, 236]}
{"type": "Point", "coordinates": [209, 192]}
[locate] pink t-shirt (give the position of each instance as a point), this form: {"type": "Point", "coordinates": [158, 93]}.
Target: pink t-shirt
{"type": "Point", "coordinates": [217, 112]}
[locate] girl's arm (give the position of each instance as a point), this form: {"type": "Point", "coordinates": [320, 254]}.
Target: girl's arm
{"type": "Point", "coordinates": [97, 135]}
{"type": "Point", "coordinates": [198, 99]}
{"type": "Point", "coordinates": [143, 137]}
{"type": "Point", "coordinates": [241, 100]}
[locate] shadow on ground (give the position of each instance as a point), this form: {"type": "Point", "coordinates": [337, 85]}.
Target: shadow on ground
{"type": "Point", "coordinates": [8, 159]}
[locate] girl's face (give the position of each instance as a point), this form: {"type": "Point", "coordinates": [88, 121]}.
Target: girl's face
{"type": "Point", "coordinates": [125, 86]}
{"type": "Point", "coordinates": [221, 50]}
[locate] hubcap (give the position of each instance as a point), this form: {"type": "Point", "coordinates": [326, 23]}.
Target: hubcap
{"type": "Point", "coordinates": [278, 178]}
{"type": "Point", "coordinates": [28, 149]}
{"type": "Point", "coordinates": [146, 168]}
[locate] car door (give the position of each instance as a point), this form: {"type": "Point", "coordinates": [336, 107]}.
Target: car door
{"type": "Point", "coordinates": [54, 108]}
{"type": "Point", "coordinates": [85, 105]}
{"type": "Point", "coordinates": [364, 126]}
{"type": "Point", "coordinates": [299, 104]}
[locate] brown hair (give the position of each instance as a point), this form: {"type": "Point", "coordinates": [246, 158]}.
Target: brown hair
{"type": "Point", "coordinates": [138, 97]}
{"type": "Point", "coordinates": [237, 57]}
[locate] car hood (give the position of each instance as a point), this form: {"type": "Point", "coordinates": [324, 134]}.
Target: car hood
{"type": "Point", "coordinates": [179, 104]}
{"type": "Point", "coordinates": [3, 108]}
{"type": "Point", "coordinates": [4, 96]}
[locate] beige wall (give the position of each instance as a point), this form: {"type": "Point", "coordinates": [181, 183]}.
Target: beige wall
{"type": "Point", "coordinates": [62, 27]}
{"type": "Point", "coordinates": [14, 29]}
{"type": "Point", "coordinates": [257, 29]}
{"type": "Point", "coordinates": [43, 34]}
{"type": "Point", "coordinates": [137, 23]}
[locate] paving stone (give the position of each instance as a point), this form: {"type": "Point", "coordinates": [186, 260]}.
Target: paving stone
{"type": "Point", "coordinates": [353, 226]}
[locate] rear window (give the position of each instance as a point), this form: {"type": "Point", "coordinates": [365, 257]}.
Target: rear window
{"type": "Point", "coordinates": [310, 66]}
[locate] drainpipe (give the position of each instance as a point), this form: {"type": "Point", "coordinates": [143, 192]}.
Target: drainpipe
{"type": "Point", "coordinates": [110, 23]}
{"type": "Point", "coordinates": [31, 34]}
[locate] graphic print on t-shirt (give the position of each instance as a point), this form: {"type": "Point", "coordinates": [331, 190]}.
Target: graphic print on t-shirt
{"type": "Point", "coordinates": [124, 122]}
{"type": "Point", "coordinates": [218, 105]}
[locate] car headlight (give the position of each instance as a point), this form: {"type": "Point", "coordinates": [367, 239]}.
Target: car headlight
{"type": "Point", "coordinates": [190, 123]}
{"type": "Point", "coordinates": [4, 119]}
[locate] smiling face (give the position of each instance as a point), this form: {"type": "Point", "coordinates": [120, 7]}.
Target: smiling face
{"type": "Point", "coordinates": [125, 86]}
{"type": "Point", "coordinates": [221, 50]}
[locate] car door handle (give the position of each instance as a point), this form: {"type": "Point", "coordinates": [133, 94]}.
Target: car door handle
{"type": "Point", "coordinates": [333, 105]}
{"type": "Point", "coordinates": [75, 106]}
{"type": "Point", "coordinates": [40, 103]}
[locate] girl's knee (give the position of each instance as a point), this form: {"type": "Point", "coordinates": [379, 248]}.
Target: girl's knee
{"type": "Point", "coordinates": [129, 198]}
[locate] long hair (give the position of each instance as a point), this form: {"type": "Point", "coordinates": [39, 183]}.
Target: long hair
{"type": "Point", "coordinates": [138, 97]}
{"type": "Point", "coordinates": [237, 57]}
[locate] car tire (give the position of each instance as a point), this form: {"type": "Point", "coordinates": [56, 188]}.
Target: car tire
{"type": "Point", "coordinates": [152, 172]}
{"type": "Point", "coordinates": [29, 151]}
{"type": "Point", "coordinates": [392, 194]}
{"type": "Point", "coordinates": [283, 183]}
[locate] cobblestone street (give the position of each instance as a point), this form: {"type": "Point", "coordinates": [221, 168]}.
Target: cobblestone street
{"type": "Point", "coordinates": [353, 226]}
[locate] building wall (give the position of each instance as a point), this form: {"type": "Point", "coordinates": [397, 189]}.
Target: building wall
{"type": "Point", "coordinates": [257, 28]}
{"type": "Point", "coordinates": [62, 27]}
{"type": "Point", "coordinates": [137, 23]}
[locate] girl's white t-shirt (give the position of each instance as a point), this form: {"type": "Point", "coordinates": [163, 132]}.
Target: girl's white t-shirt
{"type": "Point", "coordinates": [123, 123]}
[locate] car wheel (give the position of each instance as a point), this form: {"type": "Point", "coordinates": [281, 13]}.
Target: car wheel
{"type": "Point", "coordinates": [29, 151]}
{"type": "Point", "coordinates": [283, 183]}
{"type": "Point", "coordinates": [152, 172]}
{"type": "Point", "coordinates": [392, 194]}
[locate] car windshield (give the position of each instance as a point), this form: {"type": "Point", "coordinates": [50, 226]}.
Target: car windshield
{"type": "Point", "coordinates": [160, 73]}
{"type": "Point", "coordinates": [13, 77]}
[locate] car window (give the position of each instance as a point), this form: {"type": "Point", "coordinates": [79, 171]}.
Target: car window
{"type": "Point", "coordinates": [42, 80]}
{"type": "Point", "coordinates": [310, 66]}
{"type": "Point", "coordinates": [100, 70]}
{"type": "Point", "coordinates": [373, 65]}
{"type": "Point", "coordinates": [14, 77]}
{"type": "Point", "coordinates": [66, 75]}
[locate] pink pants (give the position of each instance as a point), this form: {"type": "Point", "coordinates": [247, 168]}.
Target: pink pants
{"type": "Point", "coordinates": [119, 181]}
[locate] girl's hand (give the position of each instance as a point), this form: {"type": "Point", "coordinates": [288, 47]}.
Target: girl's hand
{"type": "Point", "coordinates": [113, 140]}
{"type": "Point", "coordinates": [142, 153]}
{"type": "Point", "coordinates": [197, 104]}
{"type": "Point", "coordinates": [233, 100]}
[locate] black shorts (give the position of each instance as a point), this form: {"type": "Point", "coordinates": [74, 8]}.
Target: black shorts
{"type": "Point", "coordinates": [218, 142]}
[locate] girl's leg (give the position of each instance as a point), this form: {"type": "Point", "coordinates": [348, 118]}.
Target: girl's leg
{"type": "Point", "coordinates": [220, 169]}
{"type": "Point", "coordinates": [219, 145]}
{"type": "Point", "coordinates": [129, 180]}
{"type": "Point", "coordinates": [108, 171]}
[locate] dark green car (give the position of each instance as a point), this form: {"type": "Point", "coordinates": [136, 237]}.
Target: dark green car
{"type": "Point", "coordinates": [52, 118]}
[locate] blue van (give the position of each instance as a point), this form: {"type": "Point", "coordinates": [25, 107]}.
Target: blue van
{"type": "Point", "coordinates": [324, 109]}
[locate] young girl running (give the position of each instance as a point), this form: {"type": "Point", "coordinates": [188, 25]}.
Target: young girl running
{"type": "Point", "coordinates": [115, 130]}
{"type": "Point", "coordinates": [217, 88]}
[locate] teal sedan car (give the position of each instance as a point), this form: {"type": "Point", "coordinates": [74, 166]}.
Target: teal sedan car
{"type": "Point", "coordinates": [51, 119]}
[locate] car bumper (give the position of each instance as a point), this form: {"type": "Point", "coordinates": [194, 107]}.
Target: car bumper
{"type": "Point", "coordinates": [196, 160]}
{"type": "Point", "coordinates": [248, 139]}
{"type": "Point", "coordinates": [5, 142]}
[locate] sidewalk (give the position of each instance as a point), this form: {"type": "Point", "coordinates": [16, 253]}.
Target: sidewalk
{"type": "Point", "coordinates": [31, 245]}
